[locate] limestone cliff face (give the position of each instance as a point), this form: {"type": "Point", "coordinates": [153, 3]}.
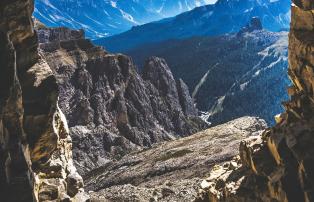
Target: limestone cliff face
{"type": "Point", "coordinates": [35, 146]}
{"type": "Point", "coordinates": [111, 108]}
{"type": "Point", "coordinates": [279, 166]}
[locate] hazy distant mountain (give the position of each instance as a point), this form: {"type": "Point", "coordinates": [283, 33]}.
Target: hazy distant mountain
{"type": "Point", "coordinates": [108, 17]}
{"type": "Point", "coordinates": [231, 75]}
{"type": "Point", "coordinates": [226, 16]}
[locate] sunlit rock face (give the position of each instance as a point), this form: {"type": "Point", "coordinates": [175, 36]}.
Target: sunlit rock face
{"type": "Point", "coordinates": [35, 146]}
{"type": "Point", "coordinates": [110, 107]}
{"type": "Point", "coordinates": [279, 165]}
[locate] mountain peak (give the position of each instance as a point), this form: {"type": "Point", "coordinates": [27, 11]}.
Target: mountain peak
{"type": "Point", "coordinates": [108, 17]}
{"type": "Point", "coordinates": [205, 21]}
{"type": "Point", "coordinates": [254, 25]}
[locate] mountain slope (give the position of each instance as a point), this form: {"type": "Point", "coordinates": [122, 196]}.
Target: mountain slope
{"type": "Point", "coordinates": [111, 109]}
{"type": "Point", "coordinates": [227, 73]}
{"type": "Point", "coordinates": [105, 18]}
{"type": "Point", "coordinates": [259, 91]}
{"type": "Point", "coordinates": [225, 16]}
{"type": "Point", "coordinates": [171, 171]}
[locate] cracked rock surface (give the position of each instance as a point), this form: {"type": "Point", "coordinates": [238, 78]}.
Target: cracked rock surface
{"type": "Point", "coordinates": [110, 107]}
{"type": "Point", "coordinates": [35, 146]}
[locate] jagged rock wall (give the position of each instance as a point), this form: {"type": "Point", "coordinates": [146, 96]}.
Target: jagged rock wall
{"type": "Point", "coordinates": [279, 166]}
{"type": "Point", "coordinates": [110, 107]}
{"type": "Point", "coordinates": [35, 146]}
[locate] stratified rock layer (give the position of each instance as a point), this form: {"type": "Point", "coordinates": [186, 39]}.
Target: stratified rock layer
{"type": "Point", "coordinates": [35, 146]}
{"type": "Point", "coordinates": [112, 109]}
{"type": "Point", "coordinates": [280, 165]}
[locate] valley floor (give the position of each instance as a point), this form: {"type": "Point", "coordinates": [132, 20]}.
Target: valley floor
{"type": "Point", "coordinates": [171, 171]}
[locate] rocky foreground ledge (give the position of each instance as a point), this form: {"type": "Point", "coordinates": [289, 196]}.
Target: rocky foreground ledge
{"type": "Point", "coordinates": [171, 171]}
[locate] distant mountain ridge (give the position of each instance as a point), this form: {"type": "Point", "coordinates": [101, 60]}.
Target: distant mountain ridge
{"type": "Point", "coordinates": [231, 76]}
{"type": "Point", "coordinates": [108, 17]}
{"type": "Point", "coordinates": [226, 16]}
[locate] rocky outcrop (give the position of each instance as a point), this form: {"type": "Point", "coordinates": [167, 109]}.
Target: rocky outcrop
{"type": "Point", "coordinates": [279, 165]}
{"type": "Point", "coordinates": [111, 108]}
{"type": "Point", "coordinates": [254, 25]}
{"type": "Point", "coordinates": [35, 146]}
{"type": "Point", "coordinates": [46, 35]}
{"type": "Point", "coordinates": [171, 171]}
{"type": "Point", "coordinates": [185, 99]}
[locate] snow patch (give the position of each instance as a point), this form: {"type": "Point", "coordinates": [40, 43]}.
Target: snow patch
{"type": "Point", "coordinates": [202, 81]}
{"type": "Point", "coordinates": [205, 116]}
{"type": "Point", "coordinates": [243, 85]}
{"type": "Point", "coordinates": [113, 4]}
{"type": "Point", "coordinates": [218, 106]}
